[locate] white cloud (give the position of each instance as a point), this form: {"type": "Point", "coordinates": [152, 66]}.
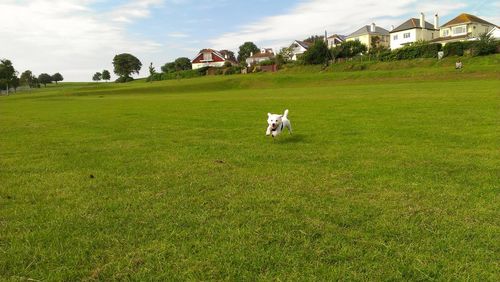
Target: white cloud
{"type": "Point", "coordinates": [316, 16]}
{"type": "Point", "coordinates": [67, 36]}
{"type": "Point", "coordinates": [134, 10]}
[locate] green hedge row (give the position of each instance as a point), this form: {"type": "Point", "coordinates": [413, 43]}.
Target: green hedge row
{"type": "Point", "coordinates": [412, 52]}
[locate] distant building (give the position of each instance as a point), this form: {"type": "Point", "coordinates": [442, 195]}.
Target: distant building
{"type": "Point", "coordinates": [335, 40]}
{"type": "Point", "coordinates": [370, 33]}
{"type": "Point", "coordinates": [463, 27]}
{"type": "Point", "coordinates": [264, 55]}
{"type": "Point", "coordinates": [298, 48]}
{"type": "Point", "coordinates": [212, 58]}
{"type": "Point", "coordinates": [414, 30]}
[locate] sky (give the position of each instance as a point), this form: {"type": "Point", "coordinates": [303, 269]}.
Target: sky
{"type": "Point", "coordinates": [80, 37]}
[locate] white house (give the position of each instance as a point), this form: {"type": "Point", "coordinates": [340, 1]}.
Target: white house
{"type": "Point", "coordinates": [298, 47]}
{"type": "Point", "coordinates": [495, 33]}
{"type": "Point", "coordinates": [264, 55]}
{"type": "Point", "coordinates": [335, 40]}
{"type": "Point", "coordinates": [414, 30]}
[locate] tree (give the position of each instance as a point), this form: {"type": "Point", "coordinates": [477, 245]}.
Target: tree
{"type": "Point", "coordinates": [124, 65]}
{"type": "Point", "coordinates": [168, 67]}
{"type": "Point", "coordinates": [57, 77]}
{"type": "Point", "coordinates": [182, 63]}
{"type": "Point", "coordinates": [7, 74]}
{"type": "Point", "coordinates": [286, 54]}
{"type": "Point", "coordinates": [245, 50]}
{"type": "Point", "coordinates": [485, 45]}
{"type": "Point", "coordinates": [313, 38]}
{"type": "Point", "coordinates": [27, 78]}
{"type": "Point", "coordinates": [45, 78]}
{"type": "Point", "coordinates": [348, 49]}
{"type": "Point", "coordinates": [97, 77]}
{"type": "Point", "coordinates": [15, 83]}
{"type": "Point", "coordinates": [152, 70]}
{"type": "Point", "coordinates": [106, 75]}
{"type": "Point", "coordinates": [317, 53]}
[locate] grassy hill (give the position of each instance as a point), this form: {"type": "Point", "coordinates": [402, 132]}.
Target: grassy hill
{"type": "Point", "coordinates": [391, 174]}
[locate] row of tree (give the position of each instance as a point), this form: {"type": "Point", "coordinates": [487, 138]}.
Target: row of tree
{"type": "Point", "coordinates": [9, 77]}
{"type": "Point", "coordinates": [104, 75]}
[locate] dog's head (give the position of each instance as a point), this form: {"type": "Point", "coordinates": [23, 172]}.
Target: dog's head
{"type": "Point", "coordinates": [274, 120]}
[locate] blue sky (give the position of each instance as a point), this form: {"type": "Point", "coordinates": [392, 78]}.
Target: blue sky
{"type": "Point", "coordinates": [80, 37]}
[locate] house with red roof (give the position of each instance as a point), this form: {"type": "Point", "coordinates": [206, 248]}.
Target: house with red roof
{"type": "Point", "coordinates": [213, 58]}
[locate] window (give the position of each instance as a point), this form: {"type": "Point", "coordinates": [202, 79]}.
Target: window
{"type": "Point", "coordinates": [395, 37]}
{"type": "Point", "coordinates": [207, 56]}
{"type": "Point", "coordinates": [446, 32]}
{"type": "Point", "coordinates": [459, 30]}
{"type": "Point", "coordinates": [406, 35]}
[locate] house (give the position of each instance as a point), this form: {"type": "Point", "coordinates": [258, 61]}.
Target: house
{"type": "Point", "coordinates": [335, 40]}
{"type": "Point", "coordinates": [370, 35]}
{"type": "Point", "coordinates": [264, 55]}
{"type": "Point", "coordinates": [297, 48]}
{"type": "Point", "coordinates": [212, 58]}
{"type": "Point", "coordinates": [463, 27]}
{"type": "Point", "coordinates": [495, 33]}
{"type": "Point", "coordinates": [414, 30]}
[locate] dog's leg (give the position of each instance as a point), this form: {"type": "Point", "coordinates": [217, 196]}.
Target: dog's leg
{"type": "Point", "coordinates": [289, 126]}
{"type": "Point", "coordinates": [268, 131]}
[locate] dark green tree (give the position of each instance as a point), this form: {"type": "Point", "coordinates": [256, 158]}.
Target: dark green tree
{"type": "Point", "coordinates": [106, 75]}
{"type": "Point", "coordinates": [97, 77]}
{"type": "Point", "coordinates": [44, 79]}
{"type": "Point", "coordinates": [27, 78]}
{"type": "Point", "coordinates": [7, 73]}
{"type": "Point", "coordinates": [245, 50]}
{"type": "Point", "coordinates": [57, 77]}
{"type": "Point", "coordinates": [318, 53]}
{"type": "Point", "coordinates": [124, 65]}
{"type": "Point", "coordinates": [168, 67]}
{"type": "Point", "coordinates": [182, 63]}
{"type": "Point", "coordinates": [152, 70]}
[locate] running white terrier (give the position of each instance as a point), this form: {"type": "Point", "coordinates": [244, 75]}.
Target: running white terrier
{"type": "Point", "coordinates": [277, 123]}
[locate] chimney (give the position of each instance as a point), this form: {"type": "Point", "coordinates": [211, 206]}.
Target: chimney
{"type": "Point", "coordinates": [372, 29]}
{"type": "Point", "coordinates": [422, 20]}
{"type": "Point", "coordinates": [392, 27]}
{"type": "Point", "coordinates": [436, 21]}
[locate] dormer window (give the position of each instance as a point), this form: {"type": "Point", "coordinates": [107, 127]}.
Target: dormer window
{"type": "Point", "coordinates": [207, 56]}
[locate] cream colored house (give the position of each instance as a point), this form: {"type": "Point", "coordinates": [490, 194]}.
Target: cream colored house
{"type": "Point", "coordinates": [463, 27]}
{"type": "Point", "coordinates": [370, 33]}
{"type": "Point", "coordinates": [414, 30]}
{"type": "Point", "coordinates": [335, 40]}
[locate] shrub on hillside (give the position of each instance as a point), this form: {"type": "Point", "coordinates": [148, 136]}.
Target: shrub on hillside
{"type": "Point", "coordinates": [454, 49]}
{"type": "Point", "coordinates": [412, 52]}
{"type": "Point", "coordinates": [348, 49]}
{"type": "Point", "coordinates": [317, 54]}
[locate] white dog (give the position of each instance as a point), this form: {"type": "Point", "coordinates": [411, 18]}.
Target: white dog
{"type": "Point", "coordinates": [277, 123]}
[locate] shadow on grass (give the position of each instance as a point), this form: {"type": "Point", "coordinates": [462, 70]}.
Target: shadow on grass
{"type": "Point", "coordinates": [294, 138]}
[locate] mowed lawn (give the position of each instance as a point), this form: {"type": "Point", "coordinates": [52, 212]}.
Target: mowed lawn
{"type": "Point", "coordinates": [388, 179]}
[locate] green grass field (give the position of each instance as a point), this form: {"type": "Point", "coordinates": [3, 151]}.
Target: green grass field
{"type": "Point", "coordinates": [392, 173]}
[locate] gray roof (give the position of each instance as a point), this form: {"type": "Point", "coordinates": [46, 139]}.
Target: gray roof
{"type": "Point", "coordinates": [366, 30]}
{"type": "Point", "coordinates": [410, 24]}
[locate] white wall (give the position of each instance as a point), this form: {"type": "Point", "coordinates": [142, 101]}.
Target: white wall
{"type": "Point", "coordinates": [211, 64]}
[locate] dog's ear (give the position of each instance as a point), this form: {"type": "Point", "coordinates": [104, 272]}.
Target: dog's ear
{"type": "Point", "coordinates": [281, 116]}
{"type": "Point", "coordinates": [268, 114]}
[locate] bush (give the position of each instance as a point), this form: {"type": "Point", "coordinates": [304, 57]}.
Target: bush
{"type": "Point", "coordinates": [317, 54]}
{"type": "Point", "coordinates": [412, 52]}
{"type": "Point", "coordinates": [454, 49]}
{"type": "Point", "coordinates": [267, 63]}
{"type": "Point", "coordinates": [123, 79]}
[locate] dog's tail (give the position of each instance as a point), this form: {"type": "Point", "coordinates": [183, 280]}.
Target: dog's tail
{"type": "Point", "coordinates": [285, 115]}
